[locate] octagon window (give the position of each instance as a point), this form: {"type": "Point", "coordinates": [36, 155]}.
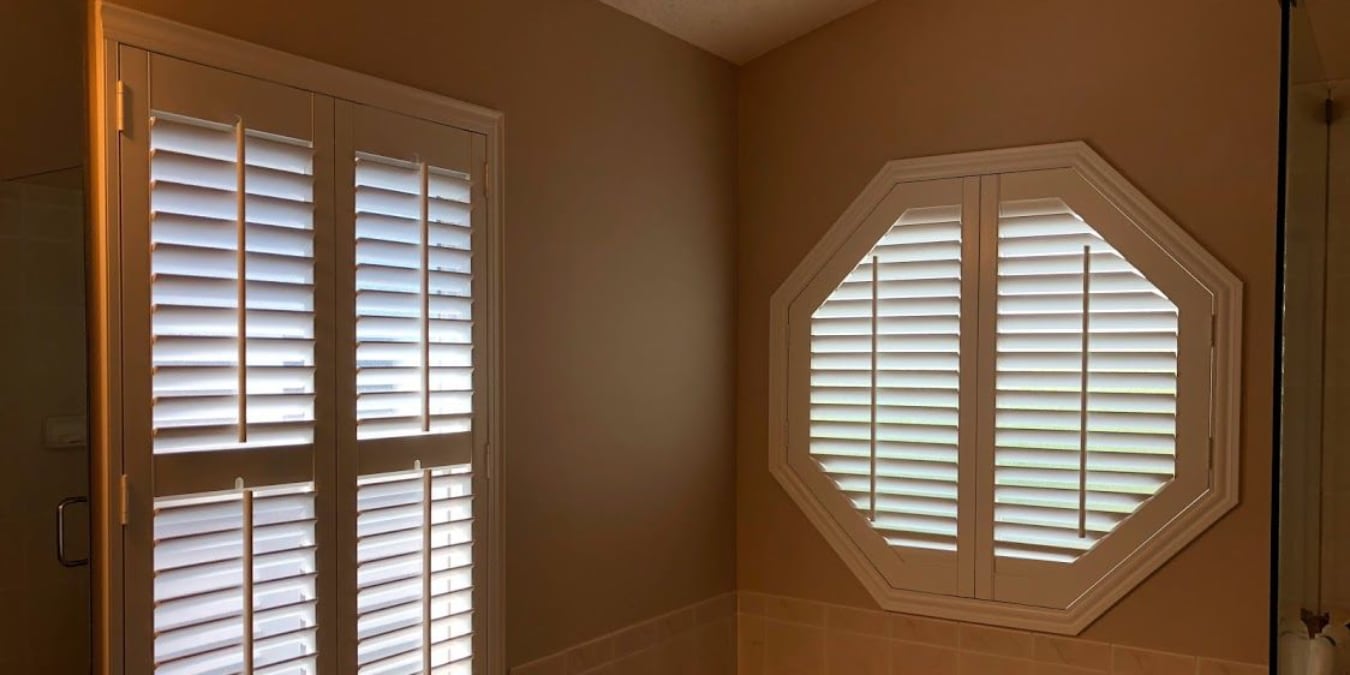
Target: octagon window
{"type": "Point", "coordinates": [1005, 387]}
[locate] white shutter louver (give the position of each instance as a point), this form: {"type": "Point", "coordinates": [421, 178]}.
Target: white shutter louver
{"type": "Point", "coordinates": [1085, 428]}
{"type": "Point", "coordinates": [215, 552]}
{"type": "Point", "coordinates": [414, 299]}
{"type": "Point", "coordinates": [231, 228]}
{"type": "Point", "coordinates": [885, 380]}
{"type": "Point", "coordinates": [415, 572]}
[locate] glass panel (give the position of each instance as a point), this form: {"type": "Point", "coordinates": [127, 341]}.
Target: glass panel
{"type": "Point", "coordinates": [1314, 530]}
{"type": "Point", "coordinates": [44, 460]}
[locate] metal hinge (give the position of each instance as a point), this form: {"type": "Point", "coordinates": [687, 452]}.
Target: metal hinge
{"type": "Point", "coordinates": [1329, 111]}
{"type": "Point", "coordinates": [121, 106]}
{"type": "Point", "coordinates": [1213, 330]}
{"type": "Point", "coordinates": [123, 507]}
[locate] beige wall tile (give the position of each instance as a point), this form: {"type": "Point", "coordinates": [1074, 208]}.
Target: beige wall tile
{"type": "Point", "coordinates": [674, 623]}
{"type": "Point", "coordinates": [793, 649]}
{"type": "Point", "coordinates": [590, 655]}
{"type": "Point", "coordinates": [720, 607]}
{"type": "Point", "coordinates": [997, 641]}
{"type": "Point", "coordinates": [645, 662]}
{"type": "Point", "coordinates": [678, 656]}
{"type": "Point", "coordinates": [928, 631]}
{"type": "Point", "coordinates": [1212, 667]}
{"type": "Point", "coordinates": [972, 663]}
{"type": "Point", "coordinates": [913, 658]}
{"type": "Point", "coordinates": [750, 603]}
{"type": "Point", "coordinates": [635, 638]}
{"type": "Point", "coordinates": [856, 654]}
{"type": "Point", "coordinates": [715, 647]}
{"type": "Point", "coordinates": [857, 621]}
{"type": "Point", "coordinates": [794, 610]}
{"type": "Point", "coordinates": [1129, 661]}
{"type": "Point", "coordinates": [1042, 668]}
{"type": "Point", "coordinates": [553, 665]}
{"type": "Point", "coordinates": [1072, 652]}
{"type": "Point", "coordinates": [749, 644]}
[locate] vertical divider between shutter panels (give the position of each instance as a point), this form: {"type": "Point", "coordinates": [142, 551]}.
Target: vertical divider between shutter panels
{"type": "Point", "coordinates": [329, 491]}
{"type": "Point", "coordinates": [345, 447]}
{"type": "Point", "coordinates": [986, 349]}
{"type": "Point", "coordinates": [485, 491]}
{"type": "Point", "coordinates": [968, 459]}
{"type": "Point", "coordinates": [136, 394]}
{"type": "Point", "coordinates": [241, 280]}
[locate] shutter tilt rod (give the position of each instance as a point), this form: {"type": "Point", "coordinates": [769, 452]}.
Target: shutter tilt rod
{"type": "Point", "coordinates": [247, 505]}
{"type": "Point", "coordinates": [426, 570]}
{"type": "Point", "coordinates": [876, 265]}
{"type": "Point", "coordinates": [1083, 398]}
{"type": "Point", "coordinates": [241, 271]}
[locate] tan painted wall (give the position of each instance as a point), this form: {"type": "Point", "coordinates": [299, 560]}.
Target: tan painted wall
{"type": "Point", "coordinates": [1182, 97]}
{"type": "Point", "coordinates": [619, 307]}
{"type": "Point", "coordinates": [41, 65]}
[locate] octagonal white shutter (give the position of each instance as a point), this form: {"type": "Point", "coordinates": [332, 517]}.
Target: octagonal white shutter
{"type": "Point", "coordinates": [1002, 390]}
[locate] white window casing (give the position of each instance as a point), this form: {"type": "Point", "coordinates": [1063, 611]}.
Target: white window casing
{"type": "Point", "coordinates": [1004, 386]}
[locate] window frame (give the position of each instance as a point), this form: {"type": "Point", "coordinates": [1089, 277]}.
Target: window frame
{"type": "Point", "coordinates": [115, 28]}
{"type": "Point", "coordinates": [838, 250]}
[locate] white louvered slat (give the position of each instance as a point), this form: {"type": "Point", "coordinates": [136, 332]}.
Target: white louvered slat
{"type": "Point", "coordinates": [414, 572]}
{"type": "Point", "coordinates": [228, 587]}
{"type": "Point", "coordinates": [1086, 378]}
{"type": "Point", "coordinates": [413, 299]}
{"type": "Point", "coordinates": [231, 229]}
{"type": "Point", "coordinates": [885, 378]}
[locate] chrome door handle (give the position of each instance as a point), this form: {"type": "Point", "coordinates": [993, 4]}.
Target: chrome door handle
{"type": "Point", "coordinates": [61, 532]}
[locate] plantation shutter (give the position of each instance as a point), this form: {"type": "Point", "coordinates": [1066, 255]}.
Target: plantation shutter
{"type": "Point", "coordinates": [885, 381]}
{"type": "Point", "coordinates": [223, 412]}
{"type": "Point", "coordinates": [412, 370]}
{"type": "Point", "coordinates": [1085, 428]}
{"type": "Point", "coordinates": [1099, 419]}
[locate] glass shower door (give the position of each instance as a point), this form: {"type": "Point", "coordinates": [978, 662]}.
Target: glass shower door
{"type": "Point", "coordinates": [44, 458]}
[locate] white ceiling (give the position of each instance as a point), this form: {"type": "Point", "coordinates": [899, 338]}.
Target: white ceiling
{"type": "Point", "coordinates": [737, 30]}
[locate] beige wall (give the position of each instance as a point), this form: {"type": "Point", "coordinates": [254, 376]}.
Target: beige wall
{"type": "Point", "coordinates": [41, 66]}
{"type": "Point", "coordinates": [619, 308]}
{"type": "Point", "coordinates": [1183, 98]}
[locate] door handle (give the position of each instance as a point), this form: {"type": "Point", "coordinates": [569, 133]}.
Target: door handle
{"type": "Point", "coordinates": [61, 532]}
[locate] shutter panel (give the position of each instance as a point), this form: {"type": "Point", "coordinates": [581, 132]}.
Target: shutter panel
{"type": "Point", "coordinates": [231, 229]}
{"type": "Point", "coordinates": [413, 299]}
{"type": "Point", "coordinates": [412, 371]}
{"type": "Point", "coordinates": [885, 381]}
{"type": "Point", "coordinates": [235, 585]}
{"type": "Point", "coordinates": [415, 572]}
{"type": "Point", "coordinates": [1086, 407]}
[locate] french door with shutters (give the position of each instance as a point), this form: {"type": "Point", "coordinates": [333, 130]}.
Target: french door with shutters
{"type": "Point", "coordinates": [301, 331]}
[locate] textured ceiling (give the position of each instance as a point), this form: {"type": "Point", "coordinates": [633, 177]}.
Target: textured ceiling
{"type": "Point", "coordinates": [1331, 25]}
{"type": "Point", "coordinates": [738, 30]}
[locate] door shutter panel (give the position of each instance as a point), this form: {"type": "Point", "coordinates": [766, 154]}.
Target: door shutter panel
{"type": "Point", "coordinates": [221, 409]}
{"type": "Point", "coordinates": [885, 381]}
{"type": "Point", "coordinates": [1085, 428]}
{"type": "Point", "coordinates": [232, 259]}
{"type": "Point", "coordinates": [414, 296]}
{"type": "Point", "coordinates": [415, 572]}
{"type": "Point", "coordinates": [413, 372]}
{"type": "Point", "coordinates": [225, 563]}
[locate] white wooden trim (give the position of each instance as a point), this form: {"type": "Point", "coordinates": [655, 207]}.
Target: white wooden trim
{"type": "Point", "coordinates": [1226, 289]}
{"type": "Point", "coordinates": [114, 26]}
{"type": "Point", "coordinates": [157, 34]}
